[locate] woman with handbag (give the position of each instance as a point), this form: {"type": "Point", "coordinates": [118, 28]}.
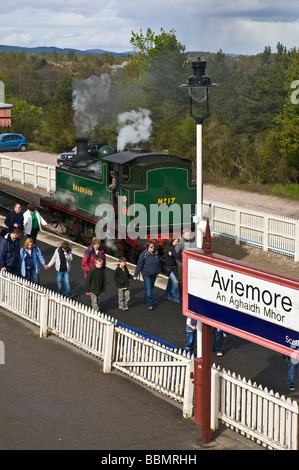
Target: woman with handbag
{"type": "Point", "coordinates": [172, 289]}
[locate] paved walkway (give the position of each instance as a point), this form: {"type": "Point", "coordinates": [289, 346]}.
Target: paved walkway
{"type": "Point", "coordinates": [54, 396]}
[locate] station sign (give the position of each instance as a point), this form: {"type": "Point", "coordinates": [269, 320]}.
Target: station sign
{"type": "Point", "coordinates": [257, 305]}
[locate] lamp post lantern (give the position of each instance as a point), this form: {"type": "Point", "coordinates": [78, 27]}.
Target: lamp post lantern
{"type": "Point", "coordinates": [198, 85]}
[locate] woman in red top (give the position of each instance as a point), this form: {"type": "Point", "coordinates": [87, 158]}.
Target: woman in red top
{"type": "Point", "coordinates": [93, 252]}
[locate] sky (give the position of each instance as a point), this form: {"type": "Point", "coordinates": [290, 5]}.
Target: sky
{"type": "Point", "coordinates": [234, 26]}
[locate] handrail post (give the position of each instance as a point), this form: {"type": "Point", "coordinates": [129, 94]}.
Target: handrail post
{"type": "Point", "coordinates": [43, 316]}
{"type": "Point", "coordinates": [215, 394]}
{"type": "Point", "coordinates": [108, 346]}
{"type": "Point", "coordinates": [189, 391]}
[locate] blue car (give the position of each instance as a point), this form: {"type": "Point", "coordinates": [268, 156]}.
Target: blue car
{"type": "Point", "coordinates": [13, 142]}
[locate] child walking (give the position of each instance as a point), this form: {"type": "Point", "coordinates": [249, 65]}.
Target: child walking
{"type": "Point", "coordinates": [62, 258]}
{"type": "Point", "coordinates": [95, 283]}
{"type": "Point", "coordinates": [121, 277]}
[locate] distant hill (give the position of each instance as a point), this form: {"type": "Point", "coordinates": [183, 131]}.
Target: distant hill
{"type": "Point", "coordinates": [39, 50]}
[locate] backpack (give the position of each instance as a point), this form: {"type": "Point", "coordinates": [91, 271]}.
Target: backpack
{"type": "Point", "coordinates": [3, 231]}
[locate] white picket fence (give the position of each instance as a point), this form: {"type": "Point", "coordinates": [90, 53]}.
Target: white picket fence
{"type": "Point", "coordinates": [35, 174]}
{"type": "Point", "coordinates": [71, 321]}
{"type": "Point", "coordinates": [161, 367]}
{"type": "Point", "coordinates": [269, 232]}
{"type": "Point", "coordinates": [258, 414]}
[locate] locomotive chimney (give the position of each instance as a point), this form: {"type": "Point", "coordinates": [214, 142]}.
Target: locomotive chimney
{"type": "Point", "coordinates": [82, 147]}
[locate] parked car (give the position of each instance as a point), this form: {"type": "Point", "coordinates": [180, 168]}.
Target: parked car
{"type": "Point", "coordinates": [13, 142]}
{"type": "Point", "coordinates": [93, 148]}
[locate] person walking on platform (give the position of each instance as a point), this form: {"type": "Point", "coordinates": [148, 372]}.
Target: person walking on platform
{"type": "Point", "coordinates": [33, 222]}
{"type": "Point", "coordinates": [150, 266]}
{"type": "Point", "coordinates": [172, 289]}
{"type": "Point", "coordinates": [30, 256]}
{"type": "Point", "coordinates": [95, 284]}
{"type": "Point", "coordinates": [15, 219]}
{"type": "Point", "coordinates": [121, 278]}
{"type": "Point", "coordinates": [217, 341]}
{"type": "Point", "coordinates": [62, 259]}
{"type": "Point", "coordinates": [93, 252]}
{"type": "Point", "coordinates": [191, 331]}
{"type": "Point", "coordinates": [10, 252]}
{"type": "Point", "coordinates": [292, 366]}
{"type": "Point", "coordinates": [184, 244]}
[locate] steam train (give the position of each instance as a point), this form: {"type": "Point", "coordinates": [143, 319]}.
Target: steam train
{"type": "Point", "coordinates": [154, 198]}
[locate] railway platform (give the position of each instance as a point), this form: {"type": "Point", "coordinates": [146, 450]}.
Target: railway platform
{"type": "Point", "coordinates": [55, 397]}
{"type": "Point", "coordinates": [37, 370]}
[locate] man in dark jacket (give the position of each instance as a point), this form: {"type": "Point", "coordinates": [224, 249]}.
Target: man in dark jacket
{"type": "Point", "coordinates": [15, 219]}
{"type": "Point", "coordinates": [10, 252]}
{"type": "Point", "coordinates": [150, 265]}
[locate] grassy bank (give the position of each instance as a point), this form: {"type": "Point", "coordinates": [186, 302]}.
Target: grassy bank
{"type": "Point", "coordinates": [290, 191]}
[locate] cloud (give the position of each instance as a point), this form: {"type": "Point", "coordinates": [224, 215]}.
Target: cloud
{"type": "Point", "coordinates": [239, 26]}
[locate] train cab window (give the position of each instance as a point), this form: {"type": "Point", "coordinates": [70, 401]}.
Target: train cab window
{"type": "Point", "coordinates": [126, 173]}
{"type": "Point", "coordinates": [113, 178]}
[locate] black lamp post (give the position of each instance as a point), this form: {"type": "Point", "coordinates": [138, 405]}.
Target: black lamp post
{"type": "Point", "coordinates": [199, 83]}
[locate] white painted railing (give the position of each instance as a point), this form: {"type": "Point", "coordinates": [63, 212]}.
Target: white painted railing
{"type": "Point", "coordinates": [269, 419]}
{"type": "Point", "coordinates": [255, 412]}
{"type": "Point", "coordinates": [35, 174]}
{"type": "Point", "coordinates": [160, 367]}
{"type": "Point", "coordinates": [267, 231]}
{"type": "Point", "coordinates": [67, 319]}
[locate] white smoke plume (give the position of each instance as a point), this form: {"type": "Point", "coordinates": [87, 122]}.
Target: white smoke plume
{"type": "Point", "coordinates": [135, 126]}
{"type": "Point", "coordinates": [90, 97]}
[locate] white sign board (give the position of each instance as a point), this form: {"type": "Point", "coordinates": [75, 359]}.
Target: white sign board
{"type": "Point", "coordinates": [260, 306]}
{"type": "Point", "coordinates": [262, 299]}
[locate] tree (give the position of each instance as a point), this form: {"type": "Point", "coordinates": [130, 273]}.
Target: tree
{"type": "Point", "coordinates": [160, 65]}
{"type": "Point", "coordinates": [58, 131]}
{"type": "Point", "coordinates": [280, 151]}
{"type": "Point", "coordinates": [150, 45]}
{"type": "Point", "coordinates": [26, 118]}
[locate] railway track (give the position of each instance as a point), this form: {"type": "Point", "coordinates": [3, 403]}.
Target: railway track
{"type": "Point", "coordinates": [8, 201]}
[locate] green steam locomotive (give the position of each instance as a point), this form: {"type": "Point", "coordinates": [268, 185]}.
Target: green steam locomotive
{"type": "Point", "coordinates": [124, 198]}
